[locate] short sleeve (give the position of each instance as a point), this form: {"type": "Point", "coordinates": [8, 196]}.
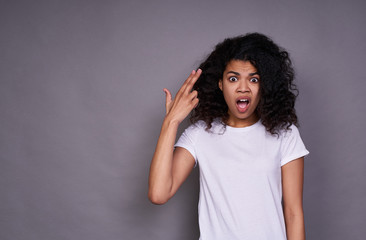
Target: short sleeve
{"type": "Point", "coordinates": [292, 146]}
{"type": "Point", "coordinates": [187, 140]}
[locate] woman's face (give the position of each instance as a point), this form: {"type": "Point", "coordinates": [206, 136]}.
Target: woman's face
{"type": "Point", "coordinates": [240, 86]}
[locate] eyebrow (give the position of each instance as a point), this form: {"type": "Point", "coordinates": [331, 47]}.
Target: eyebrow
{"type": "Point", "coordinates": [238, 74]}
{"type": "Point", "coordinates": [252, 74]}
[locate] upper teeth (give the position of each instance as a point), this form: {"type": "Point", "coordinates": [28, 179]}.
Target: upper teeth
{"type": "Point", "coordinates": [244, 100]}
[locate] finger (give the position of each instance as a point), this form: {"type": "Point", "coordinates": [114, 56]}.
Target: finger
{"type": "Point", "coordinates": [193, 94]}
{"type": "Point", "coordinates": [196, 76]}
{"type": "Point", "coordinates": [193, 80]}
{"type": "Point", "coordinates": [168, 98]}
{"type": "Point", "coordinates": [184, 86]}
{"type": "Point", "coordinates": [190, 76]}
{"type": "Point", "coordinates": [168, 95]}
{"type": "Point", "coordinates": [195, 102]}
{"type": "Point", "coordinates": [187, 80]}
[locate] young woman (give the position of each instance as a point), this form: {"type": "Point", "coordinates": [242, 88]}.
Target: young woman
{"type": "Point", "coordinates": [245, 140]}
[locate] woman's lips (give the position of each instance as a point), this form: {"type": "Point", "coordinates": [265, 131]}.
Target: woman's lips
{"type": "Point", "coordinates": [242, 104]}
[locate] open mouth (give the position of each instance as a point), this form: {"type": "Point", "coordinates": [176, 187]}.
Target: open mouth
{"type": "Point", "coordinates": [242, 104]}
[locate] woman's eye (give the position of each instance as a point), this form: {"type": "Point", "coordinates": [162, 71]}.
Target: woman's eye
{"type": "Point", "coordinates": [254, 80]}
{"type": "Point", "coordinates": [233, 79]}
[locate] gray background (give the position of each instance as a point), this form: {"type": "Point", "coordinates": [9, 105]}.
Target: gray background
{"type": "Point", "coordinates": [81, 105]}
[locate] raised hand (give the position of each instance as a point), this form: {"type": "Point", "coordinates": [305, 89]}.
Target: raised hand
{"type": "Point", "coordinates": [169, 168]}
{"type": "Point", "coordinates": [185, 100]}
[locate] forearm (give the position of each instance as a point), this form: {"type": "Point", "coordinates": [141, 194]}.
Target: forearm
{"type": "Point", "coordinates": [295, 227]}
{"type": "Point", "coordinates": [160, 179]}
{"type": "Point", "coordinates": [161, 174]}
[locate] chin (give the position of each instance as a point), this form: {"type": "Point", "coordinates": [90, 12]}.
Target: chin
{"type": "Point", "coordinates": [244, 116]}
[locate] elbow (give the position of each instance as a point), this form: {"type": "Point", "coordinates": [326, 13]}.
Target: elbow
{"type": "Point", "coordinates": [157, 199]}
{"type": "Point", "coordinates": [291, 213]}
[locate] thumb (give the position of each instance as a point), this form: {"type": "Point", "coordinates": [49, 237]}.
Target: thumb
{"type": "Point", "coordinates": [168, 98]}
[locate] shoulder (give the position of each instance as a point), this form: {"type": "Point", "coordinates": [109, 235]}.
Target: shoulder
{"type": "Point", "coordinates": [195, 129]}
{"type": "Point", "coordinates": [199, 128]}
{"type": "Point", "coordinates": [292, 146]}
{"type": "Point", "coordinates": [291, 131]}
{"type": "Point", "coordinates": [202, 126]}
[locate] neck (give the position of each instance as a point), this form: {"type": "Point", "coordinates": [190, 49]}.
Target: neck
{"type": "Point", "coordinates": [240, 123]}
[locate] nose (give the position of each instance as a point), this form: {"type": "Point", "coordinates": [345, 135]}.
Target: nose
{"type": "Point", "coordinates": [243, 86]}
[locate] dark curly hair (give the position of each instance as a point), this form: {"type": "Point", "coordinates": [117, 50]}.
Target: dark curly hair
{"type": "Point", "coordinates": [278, 92]}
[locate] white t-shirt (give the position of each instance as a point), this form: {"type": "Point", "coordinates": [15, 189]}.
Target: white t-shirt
{"type": "Point", "coordinates": [240, 179]}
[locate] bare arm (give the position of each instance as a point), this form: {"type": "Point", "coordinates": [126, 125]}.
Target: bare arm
{"type": "Point", "coordinates": [292, 187]}
{"type": "Point", "coordinates": [170, 168]}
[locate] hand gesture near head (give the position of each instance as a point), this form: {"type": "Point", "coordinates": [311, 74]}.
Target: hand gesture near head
{"type": "Point", "coordinates": [169, 167]}
{"type": "Point", "coordinates": [185, 100]}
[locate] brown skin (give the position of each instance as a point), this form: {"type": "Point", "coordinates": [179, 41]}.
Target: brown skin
{"type": "Point", "coordinates": [292, 191]}
{"type": "Point", "coordinates": [169, 167]}
{"type": "Point", "coordinates": [240, 79]}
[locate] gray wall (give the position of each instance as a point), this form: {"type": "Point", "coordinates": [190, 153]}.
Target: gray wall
{"type": "Point", "coordinates": [81, 105]}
